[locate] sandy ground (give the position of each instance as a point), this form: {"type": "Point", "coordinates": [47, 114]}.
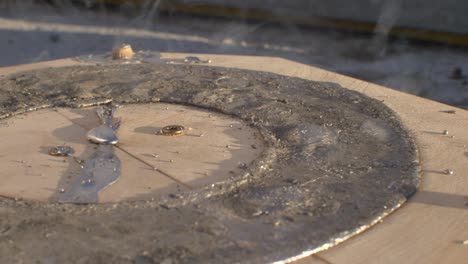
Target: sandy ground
{"type": "Point", "coordinates": [31, 33]}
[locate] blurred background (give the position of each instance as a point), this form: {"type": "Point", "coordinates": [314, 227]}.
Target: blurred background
{"type": "Point", "coordinates": [416, 46]}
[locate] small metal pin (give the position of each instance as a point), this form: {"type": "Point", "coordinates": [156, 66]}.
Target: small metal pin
{"type": "Point", "coordinates": [171, 161]}
{"type": "Point", "coordinates": [449, 172]}
{"type": "Point", "coordinates": [445, 132]}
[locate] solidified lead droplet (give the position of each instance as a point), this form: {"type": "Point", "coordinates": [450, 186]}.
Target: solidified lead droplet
{"type": "Point", "coordinates": [61, 151]}
{"type": "Point", "coordinates": [102, 135]}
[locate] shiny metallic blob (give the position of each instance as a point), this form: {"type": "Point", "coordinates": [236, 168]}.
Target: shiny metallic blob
{"type": "Point", "coordinates": [100, 170]}
{"type": "Point", "coordinates": [105, 133]}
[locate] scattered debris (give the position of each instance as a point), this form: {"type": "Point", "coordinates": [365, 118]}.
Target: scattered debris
{"type": "Point", "coordinates": [61, 151]}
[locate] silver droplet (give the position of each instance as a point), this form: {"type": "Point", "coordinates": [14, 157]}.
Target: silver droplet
{"type": "Point", "coordinates": [62, 190]}
{"type": "Point", "coordinates": [242, 165]}
{"type": "Point", "coordinates": [102, 135]}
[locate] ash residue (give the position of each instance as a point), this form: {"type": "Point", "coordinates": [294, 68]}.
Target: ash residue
{"type": "Point", "coordinates": [326, 170]}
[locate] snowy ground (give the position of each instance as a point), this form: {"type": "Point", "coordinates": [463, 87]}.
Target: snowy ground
{"type": "Point", "coordinates": [31, 33]}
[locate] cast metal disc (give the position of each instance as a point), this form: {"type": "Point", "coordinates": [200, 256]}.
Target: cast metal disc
{"type": "Point", "coordinates": [335, 163]}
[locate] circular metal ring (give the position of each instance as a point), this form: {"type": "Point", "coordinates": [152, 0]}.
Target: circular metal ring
{"type": "Point", "coordinates": [172, 130]}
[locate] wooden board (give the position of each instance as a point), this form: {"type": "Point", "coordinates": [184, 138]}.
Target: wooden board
{"type": "Point", "coordinates": [430, 228]}
{"type": "Point", "coordinates": [193, 160]}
